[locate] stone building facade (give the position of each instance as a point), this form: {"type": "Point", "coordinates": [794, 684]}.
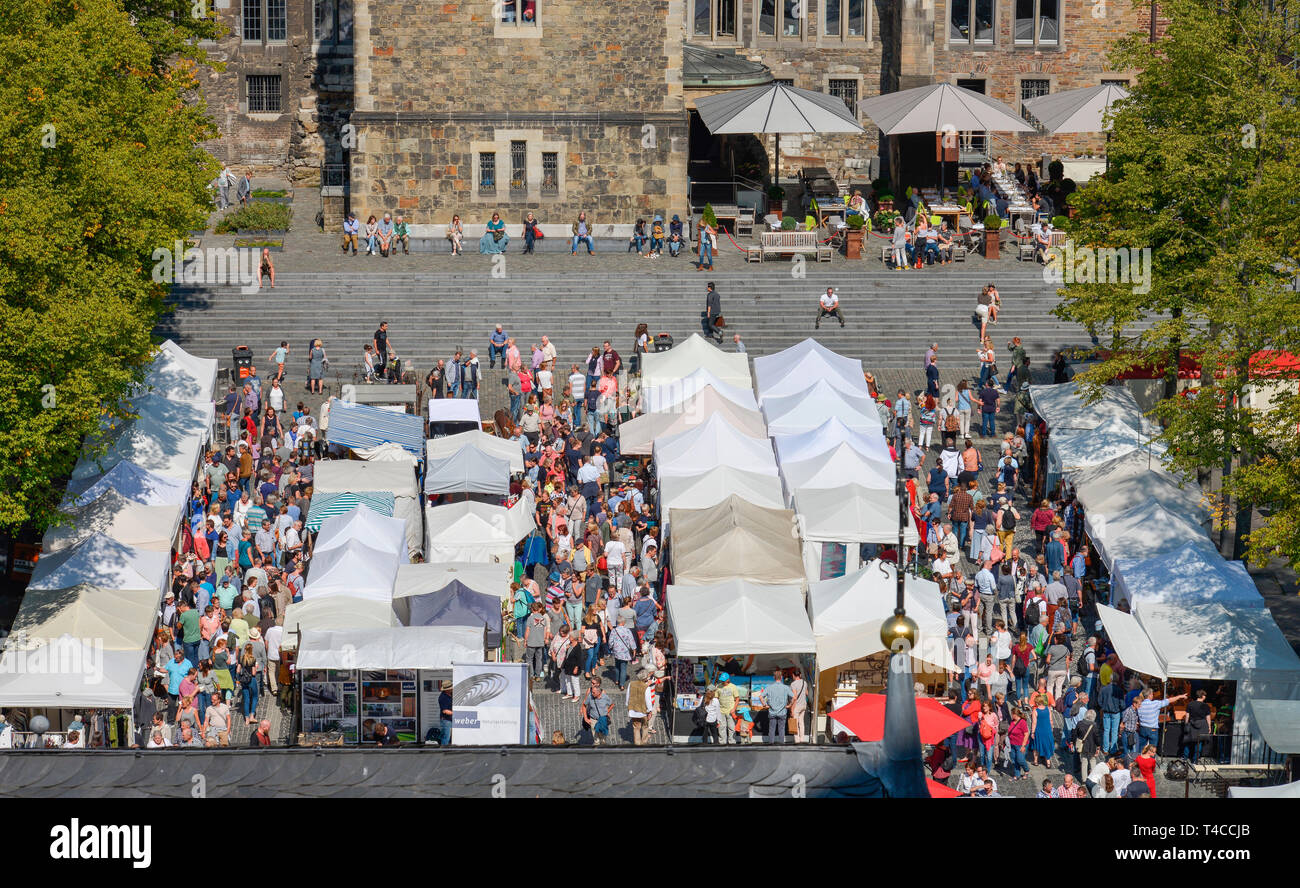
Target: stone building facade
{"type": "Point", "coordinates": [466, 106]}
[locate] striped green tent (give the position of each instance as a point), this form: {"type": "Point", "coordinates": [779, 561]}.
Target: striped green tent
{"type": "Point", "coordinates": [324, 505]}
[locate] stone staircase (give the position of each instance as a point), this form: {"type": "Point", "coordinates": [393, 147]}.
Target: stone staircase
{"type": "Point", "coordinates": [892, 316]}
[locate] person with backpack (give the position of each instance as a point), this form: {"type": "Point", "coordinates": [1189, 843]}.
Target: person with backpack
{"type": "Point", "coordinates": [1057, 659]}
{"type": "Point", "coordinates": [1006, 519]}
{"type": "Point", "coordinates": [596, 709]}
{"type": "Point", "coordinates": [537, 634]}
{"type": "Point", "coordinates": [622, 644]}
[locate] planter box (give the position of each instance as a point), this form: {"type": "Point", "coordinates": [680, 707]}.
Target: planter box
{"type": "Point", "coordinates": [991, 243]}
{"type": "Point", "coordinates": [260, 243]}
{"type": "Point", "coordinates": [853, 243]}
{"type": "Point", "coordinates": [286, 200]}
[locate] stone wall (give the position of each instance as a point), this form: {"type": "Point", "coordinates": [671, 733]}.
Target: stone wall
{"type": "Point", "coordinates": [440, 84]}
{"type": "Point", "coordinates": [316, 98]}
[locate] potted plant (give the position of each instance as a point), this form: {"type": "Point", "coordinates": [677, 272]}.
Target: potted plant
{"type": "Point", "coordinates": [854, 237]}
{"type": "Point", "coordinates": [709, 217]}
{"type": "Point", "coordinates": [789, 224]}
{"type": "Point", "coordinates": [883, 221]}
{"type": "Point", "coordinates": [992, 222]}
{"type": "Point", "coordinates": [885, 202]}
{"type": "Point", "coordinates": [775, 199]}
{"type": "Point", "coordinates": [271, 195]}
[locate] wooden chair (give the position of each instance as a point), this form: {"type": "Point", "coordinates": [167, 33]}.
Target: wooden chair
{"type": "Point", "coordinates": [745, 221]}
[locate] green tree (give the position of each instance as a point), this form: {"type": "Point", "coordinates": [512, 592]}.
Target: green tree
{"type": "Point", "coordinates": [1203, 160]}
{"type": "Point", "coordinates": [103, 163]}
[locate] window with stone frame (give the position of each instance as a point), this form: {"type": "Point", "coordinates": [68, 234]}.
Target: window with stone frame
{"type": "Point", "coordinates": [519, 12]}
{"type": "Point", "coordinates": [846, 19]}
{"type": "Point", "coordinates": [550, 173]}
{"type": "Point", "coordinates": [1038, 23]}
{"type": "Point", "coordinates": [263, 92]}
{"type": "Point", "coordinates": [264, 21]}
{"type": "Point", "coordinates": [518, 170]}
{"type": "Point", "coordinates": [332, 21]}
{"type": "Point", "coordinates": [713, 19]}
{"type": "Point", "coordinates": [1032, 89]}
{"type": "Point", "coordinates": [487, 172]}
{"type": "Point", "coordinates": [781, 19]}
{"type": "Point", "coordinates": [846, 90]}
{"type": "Point", "coordinates": [971, 22]}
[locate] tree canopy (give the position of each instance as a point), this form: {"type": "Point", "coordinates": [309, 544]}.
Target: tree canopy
{"type": "Point", "coordinates": [103, 163]}
{"type": "Point", "coordinates": [1202, 172]}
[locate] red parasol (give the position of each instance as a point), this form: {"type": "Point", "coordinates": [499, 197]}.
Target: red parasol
{"type": "Point", "coordinates": [865, 718]}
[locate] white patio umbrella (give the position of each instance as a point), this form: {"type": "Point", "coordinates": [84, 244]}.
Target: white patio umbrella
{"type": "Point", "coordinates": [1076, 110]}
{"type": "Point", "coordinates": [776, 108]}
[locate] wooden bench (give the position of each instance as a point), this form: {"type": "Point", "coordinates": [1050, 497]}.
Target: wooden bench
{"type": "Point", "coordinates": [783, 243]}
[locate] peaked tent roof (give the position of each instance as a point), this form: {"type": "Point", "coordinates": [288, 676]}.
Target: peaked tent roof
{"type": "Point", "coordinates": [154, 411]}
{"type": "Point", "coordinates": [325, 506]}
{"type": "Point", "coordinates": [658, 398]}
{"type": "Point", "coordinates": [335, 612]}
{"type": "Point", "coordinates": [1143, 531]}
{"type": "Point", "coordinates": [1109, 495]}
{"type": "Point", "coordinates": [377, 531]}
{"type": "Point", "coordinates": [457, 605]}
{"type": "Point", "coordinates": [851, 513]}
{"type": "Point", "coordinates": [1192, 574]}
{"type": "Point", "coordinates": [414, 579]}
{"type": "Point", "coordinates": [710, 488]}
{"type": "Point", "coordinates": [119, 619]}
{"type": "Point", "coordinates": [737, 615]}
{"type": "Point", "coordinates": [1062, 407]}
{"type": "Point", "coordinates": [468, 470]}
{"type": "Point", "coordinates": [133, 482]}
{"type": "Point", "coordinates": [354, 569]}
{"type": "Point", "coordinates": [1073, 449]}
{"type": "Point", "coordinates": [1076, 110]}
{"type": "Point", "coordinates": [848, 611]}
{"type": "Point", "coordinates": [364, 426]}
{"type": "Point", "coordinates": [400, 647]}
{"type": "Point", "coordinates": [637, 435]}
{"type": "Point", "coordinates": [696, 353]}
{"type": "Point", "coordinates": [834, 468]}
{"type": "Point", "coordinates": [359, 476]}
{"type": "Point", "coordinates": [824, 438]}
{"type": "Point", "coordinates": [169, 450]}
{"type": "Point", "coordinates": [104, 562]}
{"type": "Point", "coordinates": [713, 443]}
{"type": "Point", "coordinates": [177, 374]}
{"type": "Point", "coordinates": [501, 448]}
{"type": "Point", "coordinates": [1216, 641]}
{"type": "Point", "coordinates": [810, 408]}
{"type": "Point", "coordinates": [115, 516]}
{"type": "Point", "coordinates": [807, 360]}
{"type": "Point", "coordinates": [737, 539]}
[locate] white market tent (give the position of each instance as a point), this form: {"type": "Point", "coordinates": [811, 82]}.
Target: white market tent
{"type": "Point", "coordinates": [157, 410]}
{"type": "Point", "coordinates": [842, 465]}
{"type": "Point", "coordinates": [851, 513]}
{"type": "Point", "coordinates": [172, 451]}
{"type": "Point", "coordinates": [1124, 468]}
{"type": "Point", "coordinates": [477, 532]}
{"type": "Point", "coordinates": [386, 452]}
{"type": "Point", "coordinates": [1192, 574]}
{"type": "Point", "coordinates": [454, 410]}
{"type": "Point", "coordinates": [501, 448]}
{"type": "Point", "coordinates": [68, 673]}
{"type": "Point", "coordinates": [737, 615]}
{"type": "Point", "coordinates": [826, 437]}
{"type": "Point", "coordinates": [417, 579]}
{"type": "Point", "coordinates": [131, 481]}
{"type": "Point", "coordinates": [357, 555]}
{"type": "Point", "coordinates": [660, 398]}
{"type": "Point", "coordinates": [637, 436]}
{"type": "Point", "coordinates": [119, 619]}
{"type": "Point", "coordinates": [1105, 494]}
{"type": "Point", "coordinates": [104, 562]}
{"type": "Point", "coordinates": [848, 611]}
{"type": "Point", "coordinates": [1072, 449]}
{"type": "Point", "coordinates": [1144, 530]}
{"type": "Point", "coordinates": [710, 488]}
{"type": "Point", "coordinates": [179, 375]}
{"type": "Point", "coordinates": [1061, 407]}
{"type": "Point", "coordinates": [400, 647]}
{"type": "Point", "coordinates": [810, 408]}
{"type": "Point", "coordinates": [686, 358]}
{"type": "Point", "coordinates": [115, 516]}
{"type": "Point", "coordinates": [709, 445]}
{"type": "Point", "coordinates": [1285, 791]}
{"type": "Point", "coordinates": [1131, 642]}
{"type": "Point", "coordinates": [792, 370]}
{"type": "Point", "coordinates": [359, 476]}
{"type": "Point", "coordinates": [1279, 723]}
{"type": "Point", "coordinates": [735, 539]}
{"type": "Point", "coordinates": [335, 612]}
{"type": "Point", "coordinates": [468, 470]}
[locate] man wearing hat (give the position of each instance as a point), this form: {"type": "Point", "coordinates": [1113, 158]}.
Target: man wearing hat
{"type": "Point", "coordinates": [445, 713]}
{"type": "Point", "coordinates": [728, 696]}
{"type": "Point", "coordinates": [675, 236]}
{"type": "Point", "coordinates": [351, 228]}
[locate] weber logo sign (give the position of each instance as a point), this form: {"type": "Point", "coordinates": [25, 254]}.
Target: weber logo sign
{"type": "Point", "coordinates": [78, 841]}
{"type": "Point", "coordinates": [489, 704]}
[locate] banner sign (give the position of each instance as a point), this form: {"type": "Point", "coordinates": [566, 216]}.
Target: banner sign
{"type": "Point", "coordinates": [489, 704]}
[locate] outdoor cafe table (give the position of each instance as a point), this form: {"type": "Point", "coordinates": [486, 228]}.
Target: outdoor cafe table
{"type": "Point", "coordinates": [950, 214]}
{"type": "Point", "coordinates": [827, 208]}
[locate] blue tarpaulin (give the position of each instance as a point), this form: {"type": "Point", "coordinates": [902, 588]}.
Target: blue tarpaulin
{"type": "Point", "coordinates": [360, 426]}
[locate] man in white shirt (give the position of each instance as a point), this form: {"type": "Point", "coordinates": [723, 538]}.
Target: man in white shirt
{"type": "Point", "coordinates": [829, 304]}
{"type": "Point", "coordinates": [272, 640]}
{"type": "Point", "coordinates": [548, 353]}
{"type": "Point", "coordinates": [615, 559]}
{"type": "Point", "coordinates": [1001, 643]}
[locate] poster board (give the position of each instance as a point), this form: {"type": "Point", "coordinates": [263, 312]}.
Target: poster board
{"type": "Point", "coordinates": [330, 703]}
{"type": "Point", "coordinates": [389, 696]}
{"type": "Point", "coordinates": [489, 704]}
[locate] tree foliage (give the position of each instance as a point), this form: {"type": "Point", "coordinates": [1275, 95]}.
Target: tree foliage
{"type": "Point", "coordinates": [1202, 172]}
{"type": "Point", "coordinates": [103, 162]}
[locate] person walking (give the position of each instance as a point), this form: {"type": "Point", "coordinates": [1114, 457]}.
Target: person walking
{"type": "Point", "coordinates": [595, 712]}
{"type": "Point", "coordinates": [537, 631]}
{"type": "Point", "coordinates": [712, 312]}
{"type": "Point", "coordinates": [828, 305]}
{"type": "Point", "coordinates": [706, 235]}
{"type": "Point", "coordinates": [640, 706]}
{"type": "Point", "coordinates": [799, 706]}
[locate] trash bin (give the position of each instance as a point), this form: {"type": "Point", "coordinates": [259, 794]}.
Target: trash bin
{"type": "Point", "coordinates": [243, 356]}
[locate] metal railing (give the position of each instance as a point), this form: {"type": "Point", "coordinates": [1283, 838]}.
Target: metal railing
{"type": "Point", "coordinates": [334, 175]}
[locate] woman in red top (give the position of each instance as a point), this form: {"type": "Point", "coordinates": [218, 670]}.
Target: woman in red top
{"type": "Point", "coordinates": [1147, 763]}
{"type": "Point", "coordinates": [1022, 652]}
{"type": "Point", "coordinates": [1018, 740]}
{"type": "Point", "coordinates": [1040, 521]}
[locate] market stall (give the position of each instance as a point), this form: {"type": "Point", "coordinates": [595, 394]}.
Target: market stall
{"type": "Point", "coordinates": [695, 353]}
{"type": "Point", "coordinates": [1191, 574]}
{"type": "Point", "coordinates": [131, 481]}
{"type": "Point", "coordinates": [477, 532]}
{"type": "Point", "coordinates": [395, 478]}
{"type": "Point", "coordinates": [102, 561]}
{"type": "Point", "coordinates": [825, 438]}
{"type": "Point", "coordinates": [336, 613]}
{"type": "Point", "coordinates": [501, 448]}
{"type": "Point", "coordinates": [113, 515]}
{"type": "Point", "coordinates": [468, 470]}
{"type": "Point", "coordinates": [325, 506]}
{"type": "Point", "coordinates": [712, 487]}
{"type": "Point", "coordinates": [451, 416]}
{"type": "Point", "coordinates": [666, 396]}
{"type": "Point", "coordinates": [808, 409]}
{"type": "Point", "coordinates": [357, 554]}
{"type": "Point", "coordinates": [177, 374]}
{"type": "Point", "coordinates": [636, 437]}
{"type": "Point", "coordinates": [734, 539]}
{"type": "Point", "coordinates": [789, 371]}
{"type": "Point", "coordinates": [1144, 530]}
{"type": "Point", "coordinates": [1070, 450]}
{"type": "Point", "coordinates": [363, 426]}
{"type": "Point", "coordinates": [415, 579]}
{"type": "Point", "coordinates": [709, 445]}
{"type": "Point", "coordinates": [456, 604]}
{"type": "Point", "coordinates": [830, 470]}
